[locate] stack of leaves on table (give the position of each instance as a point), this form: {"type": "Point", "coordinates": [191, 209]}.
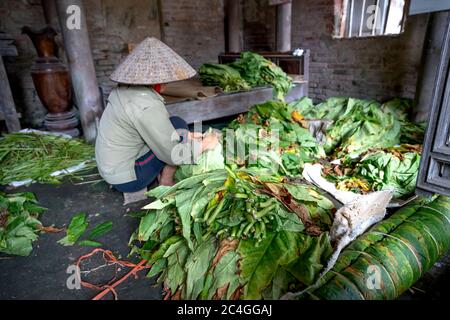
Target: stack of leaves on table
{"type": "Point", "coordinates": [250, 71]}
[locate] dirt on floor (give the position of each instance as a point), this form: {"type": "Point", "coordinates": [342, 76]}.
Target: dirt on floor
{"type": "Point", "coordinates": [46, 272]}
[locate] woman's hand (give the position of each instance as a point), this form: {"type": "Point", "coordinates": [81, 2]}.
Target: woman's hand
{"type": "Point", "coordinates": [210, 140]}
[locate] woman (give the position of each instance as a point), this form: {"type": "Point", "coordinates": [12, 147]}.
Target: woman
{"type": "Point", "coordinates": [137, 139]}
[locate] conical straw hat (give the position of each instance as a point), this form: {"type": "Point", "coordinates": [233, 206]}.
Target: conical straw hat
{"type": "Point", "coordinates": [152, 62]}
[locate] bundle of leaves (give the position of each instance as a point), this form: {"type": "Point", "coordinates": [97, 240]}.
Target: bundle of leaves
{"type": "Point", "coordinates": [229, 234]}
{"type": "Point", "coordinates": [77, 228]}
{"type": "Point", "coordinates": [244, 231]}
{"type": "Point", "coordinates": [279, 135]}
{"type": "Point", "coordinates": [31, 156]}
{"type": "Point", "coordinates": [19, 224]}
{"type": "Point", "coordinates": [410, 132]}
{"type": "Point", "coordinates": [258, 71]}
{"type": "Point", "coordinates": [359, 125]}
{"type": "Point", "coordinates": [229, 79]}
{"type": "Point", "coordinates": [393, 168]}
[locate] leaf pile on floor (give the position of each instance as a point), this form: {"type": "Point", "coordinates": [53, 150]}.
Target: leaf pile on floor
{"type": "Point", "coordinates": [245, 226]}
{"type": "Point", "coordinates": [393, 168]}
{"type": "Point", "coordinates": [34, 156]}
{"type": "Point", "coordinates": [279, 135]}
{"type": "Point", "coordinates": [359, 125]}
{"type": "Point", "coordinates": [19, 224]}
{"type": "Point", "coordinates": [231, 234]}
{"type": "Point", "coordinates": [354, 128]}
{"type": "Point", "coordinates": [251, 70]}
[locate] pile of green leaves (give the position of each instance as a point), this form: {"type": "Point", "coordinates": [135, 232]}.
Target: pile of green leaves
{"type": "Point", "coordinates": [229, 234]}
{"type": "Point", "coordinates": [251, 70]}
{"type": "Point", "coordinates": [382, 169]}
{"type": "Point", "coordinates": [359, 125]}
{"type": "Point", "coordinates": [258, 71]}
{"type": "Point", "coordinates": [25, 156]}
{"type": "Point", "coordinates": [229, 79]}
{"type": "Point", "coordinates": [283, 142]}
{"type": "Point", "coordinates": [245, 231]}
{"type": "Point", "coordinates": [19, 224]}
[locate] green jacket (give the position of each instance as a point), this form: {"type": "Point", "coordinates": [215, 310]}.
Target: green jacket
{"type": "Point", "coordinates": [134, 121]}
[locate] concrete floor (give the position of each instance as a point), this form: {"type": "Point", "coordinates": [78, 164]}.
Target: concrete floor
{"type": "Point", "coordinates": [43, 274]}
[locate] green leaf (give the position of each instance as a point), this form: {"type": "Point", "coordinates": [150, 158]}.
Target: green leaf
{"type": "Point", "coordinates": [175, 267]}
{"type": "Point", "coordinates": [152, 222]}
{"type": "Point", "coordinates": [259, 263]}
{"type": "Point", "coordinates": [75, 230]}
{"type": "Point", "coordinates": [196, 267]}
{"type": "Point", "coordinates": [157, 268]}
{"type": "Point", "coordinates": [225, 272]}
{"type": "Point", "coordinates": [184, 206]}
{"type": "Point", "coordinates": [90, 243]}
{"type": "Point", "coordinates": [101, 229]}
{"type": "Point", "coordinates": [313, 254]}
{"type": "Point", "coordinates": [280, 285]}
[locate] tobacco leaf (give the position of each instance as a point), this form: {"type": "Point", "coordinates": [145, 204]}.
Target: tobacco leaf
{"type": "Point", "coordinates": [76, 229]}
{"type": "Point", "coordinates": [259, 263]}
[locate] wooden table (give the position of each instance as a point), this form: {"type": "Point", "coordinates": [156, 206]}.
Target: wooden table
{"type": "Point", "coordinates": [228, 104]}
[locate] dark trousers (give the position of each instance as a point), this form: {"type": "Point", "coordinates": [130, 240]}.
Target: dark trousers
{"type": "Point", "coordinates": [148, 167]}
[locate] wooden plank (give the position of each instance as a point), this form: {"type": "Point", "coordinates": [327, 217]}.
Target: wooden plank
{"type": "Point", "coordinates": [7, 106]}
{"type": "Point", "coordinates": [226, 105]}
{"type": "Point", "coordinates": [220, 106]}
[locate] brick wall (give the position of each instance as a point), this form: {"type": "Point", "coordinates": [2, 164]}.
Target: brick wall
{"type": "Point", "coordinates": [194, 29]}
{"type": "Point", "coordinates": [379, 68]}
{"type": "Point", "coordinates": [113, 24]}
{"type": "Point", "coordinates": [259, 25]}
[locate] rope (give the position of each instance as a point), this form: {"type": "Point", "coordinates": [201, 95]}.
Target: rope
{"type": "Point", "coordinates": [109, 257]}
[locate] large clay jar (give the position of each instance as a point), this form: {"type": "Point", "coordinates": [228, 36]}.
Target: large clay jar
{"type": "Point", "coordinates": [52, 82]}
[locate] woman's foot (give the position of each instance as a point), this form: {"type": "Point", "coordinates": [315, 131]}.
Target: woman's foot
{"type": "Point", "coordinates": [166, 177]}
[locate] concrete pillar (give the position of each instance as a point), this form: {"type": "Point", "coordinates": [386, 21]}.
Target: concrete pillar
{"type": "Point", "coordinates": [235, 33]}
{"type": "Point", "coordinates": [284, 26]}
{"type": "Point", "coordinates": [72, 19]}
